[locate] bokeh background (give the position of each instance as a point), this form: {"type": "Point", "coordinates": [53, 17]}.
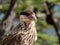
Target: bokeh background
{"type": "Point", "coordinates": [9, 18]}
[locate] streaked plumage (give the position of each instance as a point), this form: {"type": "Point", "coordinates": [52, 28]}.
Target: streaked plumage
{"type": "Point", "coordinates": [25, 32]}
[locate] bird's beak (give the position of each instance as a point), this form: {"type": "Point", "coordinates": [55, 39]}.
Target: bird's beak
{"type": "Point", "coordinates": [35, 19]}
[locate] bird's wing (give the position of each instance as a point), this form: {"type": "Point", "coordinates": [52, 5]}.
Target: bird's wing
{"type": "Point", "coordinates": [12, 34]}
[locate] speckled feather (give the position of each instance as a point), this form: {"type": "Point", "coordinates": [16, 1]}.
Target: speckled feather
{"type": "Point", "coordinates": [24, 33]}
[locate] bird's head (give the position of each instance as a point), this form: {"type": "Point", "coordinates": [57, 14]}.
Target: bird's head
{"type": "Point", "coordinates": [28, 16]}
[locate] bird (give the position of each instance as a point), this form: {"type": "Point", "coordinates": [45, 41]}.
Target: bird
{"type": "Point", "coordinates": [25, 33]}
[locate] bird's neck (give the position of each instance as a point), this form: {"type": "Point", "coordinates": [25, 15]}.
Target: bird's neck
{"type": "Point", "coordinates": [28, 24]}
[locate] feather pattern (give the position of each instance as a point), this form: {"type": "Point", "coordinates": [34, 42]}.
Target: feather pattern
{"type": "Point", "coordinates": [23, 34]}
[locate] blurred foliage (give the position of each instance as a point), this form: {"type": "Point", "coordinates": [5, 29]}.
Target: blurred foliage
{"type": "Point", "coordinates": [43, 37]}
{"type": "Point", "coordinates": [42, 26]}
{"type": "Point", "coordinates": [29, 3]}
